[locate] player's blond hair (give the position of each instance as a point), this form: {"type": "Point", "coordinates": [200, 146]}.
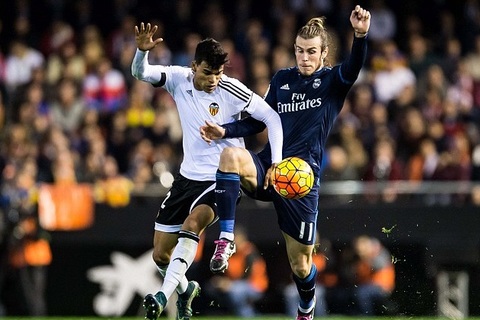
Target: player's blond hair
{"type": "Point", "coordinates": [315, 27]}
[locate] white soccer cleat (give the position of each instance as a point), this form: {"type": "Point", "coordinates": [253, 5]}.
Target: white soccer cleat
{"type": "Point", "coordinates": [223, 251]}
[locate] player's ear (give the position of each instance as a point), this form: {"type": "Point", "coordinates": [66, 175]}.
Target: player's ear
{"type": "Point", "coordinates": [324, 53]}
{"type": "Point", "coordinates": [194, 66]}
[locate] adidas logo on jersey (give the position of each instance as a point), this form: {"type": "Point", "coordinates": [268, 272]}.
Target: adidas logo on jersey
{"type": "Point", "coordinates": [285, 87]}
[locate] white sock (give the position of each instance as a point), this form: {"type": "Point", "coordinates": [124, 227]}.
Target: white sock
{"type": "Point", "coordinates": [182, 257]}
{"type": "Point", "coordinates": [226, 235]}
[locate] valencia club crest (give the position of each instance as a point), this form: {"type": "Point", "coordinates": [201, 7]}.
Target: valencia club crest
{"type": "Point", "coordinates": [213, 108]}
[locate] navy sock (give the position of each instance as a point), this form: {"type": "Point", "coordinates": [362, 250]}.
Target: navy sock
{"type": "Point", "coordinates": [226, 194]}
{"type": "Point", "coordinates": [306, 288]}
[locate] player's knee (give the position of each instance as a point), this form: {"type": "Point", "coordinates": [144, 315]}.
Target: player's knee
{"type": "Point", "coordinates": [160, 257]}
{"type": "Point", "coordinates": [191, 225]}
{"type": "Point", "coordinates": [301, 270]}
{"type": "Point", "coordinates": [230, 157]}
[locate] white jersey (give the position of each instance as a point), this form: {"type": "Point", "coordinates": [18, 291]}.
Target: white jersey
{"type": "Point", "coordinates": [223, 105]}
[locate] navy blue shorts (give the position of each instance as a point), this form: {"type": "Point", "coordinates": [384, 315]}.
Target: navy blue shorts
{"type": "Point", "coordinates": [298, 217]}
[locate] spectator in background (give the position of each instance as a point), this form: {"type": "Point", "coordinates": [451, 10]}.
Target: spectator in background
{"type": "Point", "coordinates": [120, 39]}
{"type": "Point", "coordinates": [390, 72]}
{"type": "Point", "coordinates": [57, 163]}
{"type": "Point", "coordinates": [141, 162]}
{"type": "Point", "coordinates": [236, 66]}
{"type": "Point", "coordinates": [476, 173]}
{"type": "Point", "coordinates": [95, 154]}
{"type": "Point", "coordinates": [255, 32]}
{"type": "Point", "coordinates": [454, 165]}
{"type": "Point", "coordinates": [22, 29]}
{"type": "Point", "coordinates": [450, 59]}
{"type": "Point", "coordinates": [32, 109]}
{"type": "Point", "coordinates": [366, 279]}
{"type": "Point", "coordinates": [384, 166]}
{"type": "Point", "coordinates": [461, 91]}
{"type": "Point", "coordinates": [140, 115]}
{"type": "Point", "coordinates": [213, 21]}
{"type": "Point", "coordinates": [245, 281]}
{"type": "Point", "coordinates": [66, 62]}
{"type": "Point", "coordinates": [2, 70]}
{"type": "Point", "coordinates": [2, 108]}
{"type": "Point", "coordinates": [92, 47]}
{"type": "Point", "coordinates": [338, 167]}
{"type": "Point", "coordinates": [432, 77]}
{"type": "Point", "coordinates": [349, 139]}
{"type": "Point", "coordinates": [161, 54]}
{"type": "Point", "coordinates": [286, 23]}
{"type": "Point", "coordinates": [58, 34]}
{"type": "Point", "coordinates": [185, 56]}
{"type": "Point", "coordinates": [20, 63]}
{"type": "Point", "coordinates": [27, 244]}
{"type": "Point", "coordinates": [422, 165]}
{"type": "Point", "coordinates": [472, 60]}
{"type": "Point", "coordinates": [68, 109]}
{"type": "Point", "coordinates": [113, 188]}
{"type": "Point", "coordinates": [420, 55]}
{"type": "Point", "coordinates": [411, 129]}
{"type": "Point", "coordinates": [362, 100]}
{"type": "Point", "coordinates": [384, 23]}
{"type": "Point", "coordinates": [104, 89]}
{"type": "Point", "coordinates": [374, 275]}
{"type": "Point", "coordinates": [282, 57]}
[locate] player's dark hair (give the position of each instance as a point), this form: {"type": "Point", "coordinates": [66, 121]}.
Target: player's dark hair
{"type": "Point", "coordinates": [212, 52]}
{"type": "Point", "coordinates": [315, 27]}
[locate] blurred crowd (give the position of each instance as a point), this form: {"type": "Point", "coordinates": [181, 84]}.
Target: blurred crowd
{"type": "Point", "coordinates": [71, 111]}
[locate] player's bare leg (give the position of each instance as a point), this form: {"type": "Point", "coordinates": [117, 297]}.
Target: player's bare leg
{"type": "Point", "coordinates": [304, 275]}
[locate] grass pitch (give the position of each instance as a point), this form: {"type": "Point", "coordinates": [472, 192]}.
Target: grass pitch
{"type": "Point", "coordinates": [280, 317]}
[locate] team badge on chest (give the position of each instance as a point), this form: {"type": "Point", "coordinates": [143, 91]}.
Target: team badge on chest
{"type": "Point", "coordinates": [213, 108]}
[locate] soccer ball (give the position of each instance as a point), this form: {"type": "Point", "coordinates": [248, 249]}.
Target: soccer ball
{"type": "Point", "coordinates": [293, 178]}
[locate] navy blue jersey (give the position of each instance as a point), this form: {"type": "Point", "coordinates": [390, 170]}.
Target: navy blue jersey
{"type": "Point", "coordinates": [308, 106]}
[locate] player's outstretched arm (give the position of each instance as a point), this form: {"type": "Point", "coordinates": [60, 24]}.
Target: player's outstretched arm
{"type": "Point", "coordinates": [360, 20]}
{"type": "Point", "coordinates": [141, 69]}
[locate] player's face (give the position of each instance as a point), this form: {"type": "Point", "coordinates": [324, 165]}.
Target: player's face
{"type": "Point", "coordinates": [206, 79]}
{"type": "Point", "coordinates": [308, 54]}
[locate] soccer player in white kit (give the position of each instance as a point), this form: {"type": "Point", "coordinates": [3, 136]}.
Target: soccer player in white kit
{"type": "Point", "coordinates": [202, 93]}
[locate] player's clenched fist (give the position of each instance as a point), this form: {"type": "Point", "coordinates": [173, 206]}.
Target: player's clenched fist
{"type": "Point", "coordinates": [360, 20]}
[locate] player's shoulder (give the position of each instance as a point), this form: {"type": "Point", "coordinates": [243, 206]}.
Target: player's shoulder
{"type": "Point", "coordinates": [234, 87]}
{"type": "Point", "coordinates": [285, 73]}
{"type": "Point", "coordinates": [179, 71]}
{"type": "Point", "coordinates": [176, 76]}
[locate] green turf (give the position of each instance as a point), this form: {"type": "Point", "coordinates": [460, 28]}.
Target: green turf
{"type": "Point", "coordinates": [228, 318]}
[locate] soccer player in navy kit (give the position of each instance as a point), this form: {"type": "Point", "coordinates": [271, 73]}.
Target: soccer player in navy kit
{"type": "Point", "coordinates": [201, 92]}
{"type": "Point", "coordinates": [308, 98]}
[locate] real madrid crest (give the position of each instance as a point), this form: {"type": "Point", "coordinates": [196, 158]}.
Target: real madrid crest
{"type": "Point", "coordinates": [213, 108]}
{"type": "Point", "coordinates": [316, 83]}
